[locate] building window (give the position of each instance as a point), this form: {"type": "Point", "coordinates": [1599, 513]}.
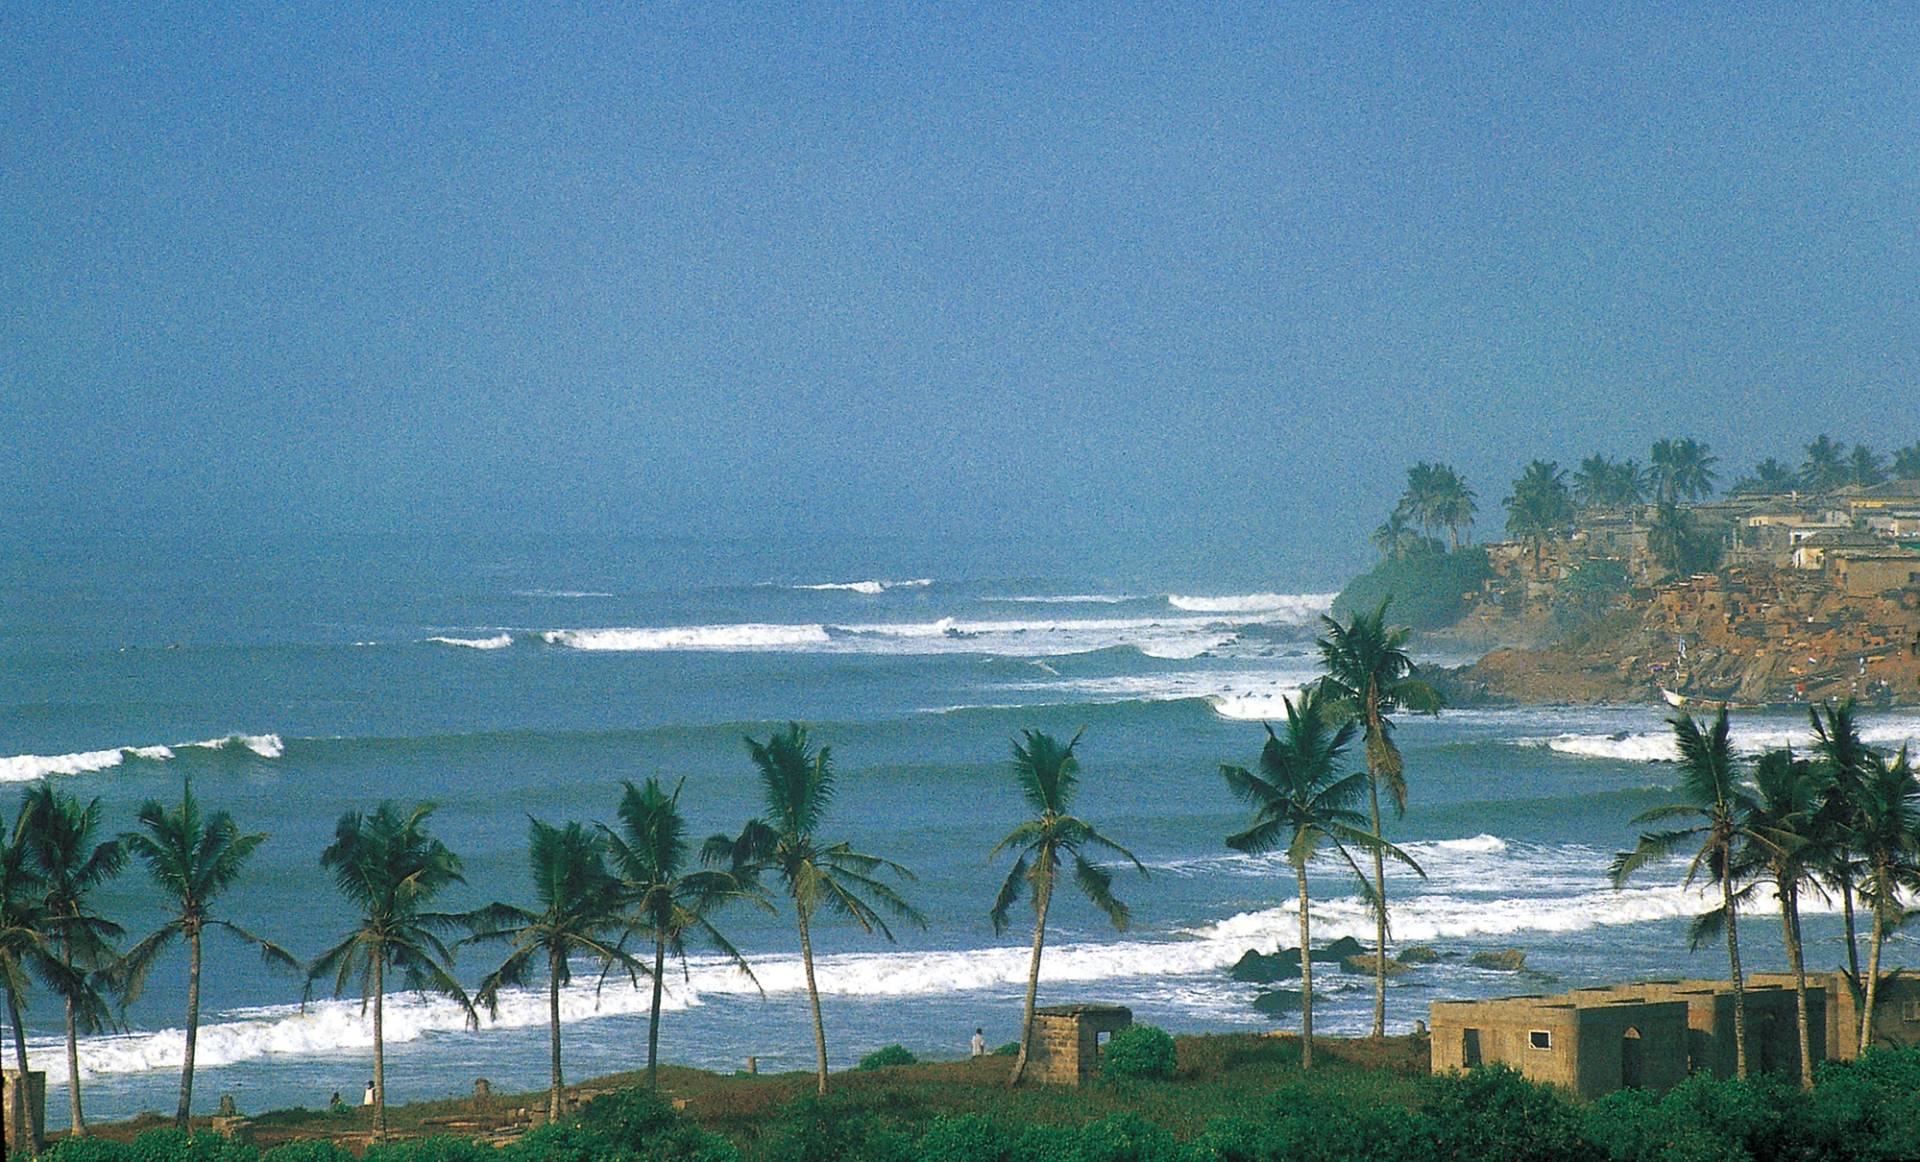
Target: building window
{"type": "Point", "coordinates": [1910, 1010]}
{"type": "Point", "coordinates": [1540, 1039]}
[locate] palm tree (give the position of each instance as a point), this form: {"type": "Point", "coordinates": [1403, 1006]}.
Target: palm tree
{"type": "Point", "coordinates": [1418, 501]}
{"type": "Point", "coordinates": [581, 906]}
{"type": "Point", "coordinates": [1723, 820]}
{"type": "Point", "coordinates": [24, 950]}
{"type": "Point", "coordinates": [1676, 541]}
{"type": "Point", "coordinates": [60, 837]}
{"type": "Point", "coordinates": [1845, 764]}
{"type": "Point", "coordinates": [1629, 483]}
{"type": "Point", "coordinates": [1304, 805]}
{"type": "Point", "coordinates": [1369, 676]}
{"type": "Point", "coordinates": [1682, 470]}
{"type": "Point", "coordinates": [1906, 462]}
{"type": "Point", "coordinates": [1393, 536]}
{"type": "Point", "coordinates": [390, 869]}
{"type": "Point", "coordinates": [1788, 797]}
{"type": "Point", "coordinates": [1453, 503]}
{"type": "Point", "coordinates": [666, 901]}
{"type": "Point", "coordinates": [1593, 482]}
{"type": "Point", "coordinates": [1825, 466]}
{"type": "Point", "coordinates": [193, 859]}
{"type": "Point", "coordinates": [1769, 478]}
{"type": "Point", "coordinates": [1539, 508]}
{"type": "Point", "coordinates": [1048, 775]}
{"type": "Point", "coordinates": [1887, 837]}
{"type": "Point", "coordinates": [797, 787]}
{"type": "Point", "coordinates": [1865, 467]}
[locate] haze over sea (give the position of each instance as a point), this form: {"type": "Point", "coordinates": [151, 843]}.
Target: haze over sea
{"type": "Point", "coordinates": [505, 679]}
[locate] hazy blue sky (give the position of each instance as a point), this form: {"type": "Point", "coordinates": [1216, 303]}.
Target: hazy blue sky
{"type": "Point", "coordinates": [692, 268]}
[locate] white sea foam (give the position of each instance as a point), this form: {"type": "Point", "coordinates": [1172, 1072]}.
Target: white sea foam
{"type": "Point", "coordinates": [869, 588]}
{"type": "Point", "coordinates": [26, 767]}
{"type": "Point", "coordinates": [1292, 606]}
{"type": "Point", "coordinates": [1748, 737]}
{"type": "Point", "coordinates": [1066, 599]}
{"type": "Point", "coordinates": [496, 642]}
{"type": "Point", "coordinates": [692, 637]}
{"type": "Point", "coordinates": [566, 593]}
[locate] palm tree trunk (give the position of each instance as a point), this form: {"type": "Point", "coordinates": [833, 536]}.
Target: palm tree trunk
{"type": "Point", "coordinates": [183, 1117]}
{"type": "Point", "coordinates": [1739, 981]}
{"type": "Point", "coordinates": [813, 998]}
{"type": "Point", "coordinates": [1790, 930]}
{"type": "Point", "coordinates": [379, 1049]}
{"type": "Point", "coordinates": [1873, 980]}
{"type": "Point", "coordinates": [30, 1116]}
{"type": "Point", "coordinates": [653, 1021]}
{"type": "Point", "coordinates": [79, 1129]}
{"type": "Point", "coordinates": [1042, 898]}
{"type": "Point", "coordinates": [1853, 939]}
{"type": "Point", "coordinates": [553, 1028]}
{"type": "Point", "coordinates": [1306, 975]}
{"type": "Point", "coordinates": [1379, 916]}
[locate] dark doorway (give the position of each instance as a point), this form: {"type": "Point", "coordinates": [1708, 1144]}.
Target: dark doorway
{"type": "Point", "coordinates": [1470, 1048]}
{"type": "Point", "coordinates": [1630, 1059]}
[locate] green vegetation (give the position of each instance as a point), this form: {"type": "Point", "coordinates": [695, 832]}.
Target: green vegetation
{"type": "Point", "coordinates": [1048, 775]}
{"type": "Point", "coordinates": [1540, 507]}
{"type": "Point", "coordinates": [1138, 1053]}
{"type": "Point", "coordinates": [1429, 588]}
{"type": "Point", "coordinates": [887, 1058]}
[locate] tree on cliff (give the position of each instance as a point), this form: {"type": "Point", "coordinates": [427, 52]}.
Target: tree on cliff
{"type": "Point", "coordinates": [1676, 541]}
{"type": "Point", "coordinates": [796, 787]}
{"type": "Point", "coordinates": [1769, 478]}
{"type": "Point", "coordinates": [1539, 508]}
{"type": "Point", "coordinates": [1602, 482]}
{"type": "Point", "coordinates": [390, 869]}
{"type": "Point", "coordinates": [1865, 467]}
{"type": "Point", "coordinates": [1369, 676]}
{"type": "Point", "coordinates": [1825, 467]}
{"type": "Point", "coordinates": [1682, 469]}
{"type": "Point", "coordinates": [1723, 819]}
{"type": "Point", "coordinates": [1047, 775]}
{"type": "Point", "coordinates": [1906, 462]}
{"type": "Point", "coordinates": [1303, 805]}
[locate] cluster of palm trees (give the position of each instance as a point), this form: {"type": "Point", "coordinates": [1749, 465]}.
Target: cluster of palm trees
{"type": "Point", "coordinates": [1828, 464]}
{"type": "Point", "coordinates": [1842, 821]}
{"type": "Point", "coordinates": [1436, 497]}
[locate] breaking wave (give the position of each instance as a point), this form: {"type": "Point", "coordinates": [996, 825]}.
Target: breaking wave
{"type": "Point", "coordinates": [1657, 746]}
{"type": "Point", "coordinates": [26, 767]}
{"type": "Point", "coordinates": [1065, 599]}
{"type": "Point", "coordinates": [1291, 606]}
{"type": "Point", "coordinates": [868, 588]}
{"type": "Point", "coordinates": [691, 637]}
{"type": "Point", "coordinates": [496, 642]}
{"type": "Point", "coordinates": [567, 593]}
{"type": "Point", "coordinates": [1167, 638]}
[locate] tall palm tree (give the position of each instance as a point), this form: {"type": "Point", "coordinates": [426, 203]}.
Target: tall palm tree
{"type": "Point", "coordinates": [797, 786]}
{"type": "Point", "coordinates": [1593, 482]}
{"type": "Point", "coordinates": [1369, 676]}
{"type": "Point", "coordinates": [390, 869]}
{"type": "Point", "coordinates": [1539, 508]}
{"type": "Point", "coordinates": [667, 902]}
{"type": "Point", "coordinates": [1906, 462]}
{"type": "Point", "coordinates": [1393, 536]}
{"type": "Point", "coordinates": [1887, 837]}
{"type": "Point", "coordinates": [60, 836]}
{"type": "Point", "coordinates": [1845, 764]}
{"type": "Point", "coordinates": [1682, 469]}
{"type": "Point", "coordinates": [1788, 796]}
{"type": "Point", "coordinates": [1303, 805]}
{"type": "Point", "coordinates": [1825, 466]}
{"type": "Point", "coordinates": [1048, 775]}
{"type": "Point", "coordinates": [1676, 541]}
{"type": "Point", "coordinates": [1418, 501]}
{"type": "Point", "coordinates": [193, 859]}
{"type": "Point", "coordinates": [1629, 483]}
{"type": "Point", "coordinates": [1769, 478]}
{"type": "Point", "coordinates": [24, 952]}
{"type": "Point", "coordinates": [1722, 819]}
{"type": "Point", "coordinates": [581, 906]}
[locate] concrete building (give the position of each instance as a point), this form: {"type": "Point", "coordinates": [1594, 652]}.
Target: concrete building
{"type": "Point", "coordinates": [1651, 1036]}
{"type": "Point", "coordinates": [1896, 1011]}
{"type": "Point", "coordinates": [1870, 572]}
{"type": "Point", "coordinates": [1810, 551]}
{"type": "Point", "coordinates": [1068, 1040]}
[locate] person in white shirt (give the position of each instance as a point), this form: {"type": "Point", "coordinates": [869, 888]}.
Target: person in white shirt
{"type": "Point", "coordinates": [368, 1100]}
{"type": "Point", "coordinates": [979, 1042]}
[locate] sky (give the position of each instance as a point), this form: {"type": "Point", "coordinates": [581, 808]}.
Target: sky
{"type": "Point", "coordinates": [886, 269]}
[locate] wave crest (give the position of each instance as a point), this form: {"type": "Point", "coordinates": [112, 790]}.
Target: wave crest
{"type": "Point", "coordinates": [27, 767]}
{"type": "Point", "coordinates": [496, 642]}
{"type": "Point", "coordinates": [1293, 606]}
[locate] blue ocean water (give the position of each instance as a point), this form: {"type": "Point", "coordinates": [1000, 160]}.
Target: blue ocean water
{"type": "Point", "coordinates": [507, 678]}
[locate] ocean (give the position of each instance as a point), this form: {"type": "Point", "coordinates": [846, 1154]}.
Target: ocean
{"type": "Point", "coordinates": [513, 678]}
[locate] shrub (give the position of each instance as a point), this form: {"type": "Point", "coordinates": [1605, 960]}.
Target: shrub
{"type": "Point", "coordinates": [1428, 588]}
{"type": "Point", "coordinates": [441, 1148]}
{"type": "Point", "coordinates": [307, 1150]}
{"type": "Point", "coordinates": [964, 1139]}
{"type": "Point", "coordinates": [1127, 1137]}
{"type": "Point", "coordinates": [1010, 1049]}
{"type": "Point", "coordinates": [1046, 1144]}
{"type": "Point", "coordinates": [87, 1150]}
{"type": "Point", "coordinates": [629, 1116]}
{"type": "Point", "coordinates": [817, 1129]}
{"type": "Point", "coordinates": [567, 1142]}
{"type": "Point", "coordinates": [1138, 1052]}
{"type": "Point", "coordinates": [1496, 1113]}
{"type": "Point", "coordinates": [887, 1058]}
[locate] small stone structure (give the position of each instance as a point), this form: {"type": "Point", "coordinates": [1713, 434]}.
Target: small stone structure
{"type": "Point", "coordinates": [1067, 1040]}
{"type": "Point", "coordinates": [1647, 1036]}
{"type": "Point", "coordinates": [26, 1111]}
{"type": "Point", "coordinates": [1896, 1011]}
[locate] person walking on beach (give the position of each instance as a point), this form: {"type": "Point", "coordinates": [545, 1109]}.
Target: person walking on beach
{"type": "Point", "coordinates": [979, 1042]}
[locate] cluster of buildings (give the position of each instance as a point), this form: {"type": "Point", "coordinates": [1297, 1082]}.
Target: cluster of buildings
{"type": "Point", "coordinates": [1654, 1035]}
